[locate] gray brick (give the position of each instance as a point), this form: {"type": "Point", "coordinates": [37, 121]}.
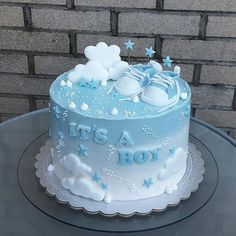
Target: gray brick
{"type": "Point", "coordinates": [34, 41]}
{"type": "Point", "coordinates": [207, 96]}
{"type": "Point", "coordinates": [16, 63]}
{"type": "Point", "coordinates": [77, 20]}
{"type": "Point", "coordinates": [42, 103]}
{"type": "Point", "coordinates": [186, 72]}
{"type": "Point", "coordinates": [11, 16]}
{"type": "Point", "coordinates": [16, 84]}
{"type": "Point", "coordinates": [139, 47]}
{"type": "Point", "coordinates": [217, 118]}
{"type": "Point", "coordinates": [52, 2]}
{"type": "Point", "coordinates": [201, 5]}
{"type": "Point", "coordinates": [154, 23]}
{"type": "Point", "coordinates": [117, 3]}
{"type": "Point", "coordinates": [222, 26]}
{"type": "Point", "coordinates": [14, 105]}
{"type": "Point", "coordinates": [218, 74]}
{"type": "Point", "coordinates": [200, 50]}
{"type": "Point", "coordinates": [53, 65]}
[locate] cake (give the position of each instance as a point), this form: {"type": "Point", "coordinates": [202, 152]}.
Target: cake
{"type": "Point", "coordinates": [119, 131]}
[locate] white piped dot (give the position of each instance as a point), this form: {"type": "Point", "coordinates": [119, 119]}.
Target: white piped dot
{"type": "Point", "coordinates": [62, 83]}
{"type": "Point", "coordinates": [114, 111]}
{"type": "Point", "coordinates": [104, 83]}
{"type": "Point", "coordinates": [169, 189]}
{"type": "Point", "coordinates": [135, 99]}
{"type": "Point", "coordinates": [72, 105]}
{"type": "Point", "coordinates": [184, 96]}
{"type": "Point", "coordinates": [50, 168]}
{"type": "Point", "coordinates": [107, 198]}
{"type": "Point", "coordinates": [84, 106]}
{"type": "Point", "coordinates": [69, 83]}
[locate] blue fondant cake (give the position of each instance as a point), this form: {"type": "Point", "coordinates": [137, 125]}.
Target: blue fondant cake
{"type": "Point", "coordinates": [119, 131]}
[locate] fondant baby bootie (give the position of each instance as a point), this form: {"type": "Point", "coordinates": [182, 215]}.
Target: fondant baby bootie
{"type": "Point", "coordinates": [154, 96]}
{"type": "Point", "coordinates": [157, 92]}
{"type": "Point", "coordinates": [131, 83]}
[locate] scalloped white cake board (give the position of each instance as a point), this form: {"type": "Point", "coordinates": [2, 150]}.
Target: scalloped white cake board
{"type": "Point", "coordinates": [189, 183]}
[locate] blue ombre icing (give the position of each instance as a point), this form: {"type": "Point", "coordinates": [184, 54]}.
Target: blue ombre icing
{"type": "Point", "coordinates": [119, 132]}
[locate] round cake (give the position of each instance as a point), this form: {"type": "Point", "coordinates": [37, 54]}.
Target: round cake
{"type": "Point", "coordinates": [119, 131]}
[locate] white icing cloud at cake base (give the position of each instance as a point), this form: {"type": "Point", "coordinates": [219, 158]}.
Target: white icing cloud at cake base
{"type": "Point", "coordinates": [74, 165]}
{"type": "Point", "coordinates": [83, 187]}
{"type": "Point", "coordinates": [104, 54]}
{"type": "Point", "coordinates": [92, 70]}
{"type": "Point", "coordinates": [173, 164]}
{"type": "Point", "coordinates": [80, 181]}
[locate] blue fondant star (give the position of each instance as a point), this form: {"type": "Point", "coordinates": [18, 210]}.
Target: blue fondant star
{"type": "Point", "coordinates": [171, 150]}
{"type": "Point", "coordinates": [104, 186]}
{"type": "Point", "coordinates": [149, 52]}
{"type": "Point", "coordinates": [129, 45]}
{"type": "Point", "coordinates": [61, 134]}
{"type": "Point", "coordinates": [96, 177]}
{"type": "Point", "coordinates": [187, 111]}
{"type": "Point", "coordinates": [147, 182]}
{"type": "Point", "coordinates": [57, 111]}
{"type": "Point", "coordinates": [83, 151]}
{"type": "Point", "coordinates": [94, 84]}
{"type": "Point", "coordinates": [167, 61]}
{"type": "Point", "coordinates": [84, 83]}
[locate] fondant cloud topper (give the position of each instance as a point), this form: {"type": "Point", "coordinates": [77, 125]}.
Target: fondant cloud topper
{"type": "Point", "coordinates": [104, 64]}
{"type": "Point", "coordinates": [149, 82]}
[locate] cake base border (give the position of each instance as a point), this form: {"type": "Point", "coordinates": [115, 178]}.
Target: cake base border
{"type": "Point", "coordinates": [189, 183]}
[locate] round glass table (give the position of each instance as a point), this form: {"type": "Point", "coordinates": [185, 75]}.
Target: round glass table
{"type": "Point", "coordinates": [25, 209]}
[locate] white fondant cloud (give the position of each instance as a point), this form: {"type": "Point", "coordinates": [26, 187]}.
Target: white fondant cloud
{"type": "Point", "coordinates": [103, 54]}
{"type": "Point", "coordinates": [90, 71]}
{"type": "Point", "coordinates": [173, 164]}
{"type": "Point", "coordinates": [74, 165]}
{"type": "Point", "coordinates": [117, 70]}
{"type": "Point", "coordinates": [84, 187]}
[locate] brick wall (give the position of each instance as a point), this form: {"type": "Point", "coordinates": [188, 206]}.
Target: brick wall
{"type": "Point", "coordinates": [40, 39]}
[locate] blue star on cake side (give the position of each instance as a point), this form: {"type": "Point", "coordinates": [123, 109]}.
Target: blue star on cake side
{"type": "Point", "coordinates": [96, 177]}
{"type": "Point", "coordinates": [61, 135]}
{"type": "Point", "coordinates": [104, 186]}
{"type": "Point", "coordinates": [83, 151]}
{"type": "Point", "coordinates": [147, 182]}
{"type": "Point", "coordinates": [57, 111]}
